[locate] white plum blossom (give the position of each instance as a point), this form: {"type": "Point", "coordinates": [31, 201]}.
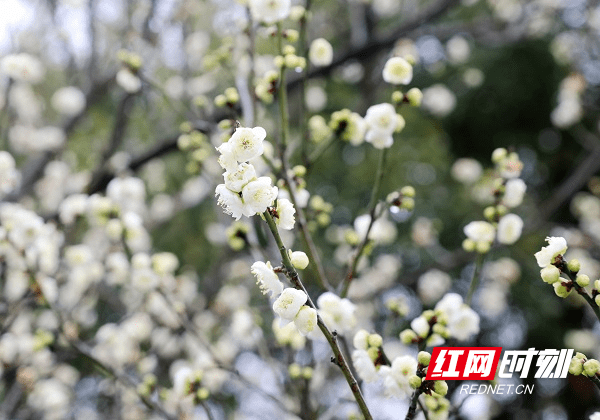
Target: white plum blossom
{"type": "Point", "coordinates": [514, 192]}
{"type": "Point", "coordinates": [231, 202]}
{"type": "Point", "coordinates": [266, 278]}
{"type": "Point", "coordinates": [480, 231]}
{"type": "Point", "coordinates": [382, 121]}
{"type": "Point", "coordinates": [462, 321]}
{"type": "Point", "coordinates": [556, 246]}
{"type": "Point", "coordinates": [420, 325]}
{"type": "Point", "coordinates": [236, 180]}
{"type": "Point", "coordinates": [337, 313]}
{"type": "Point", "coordinates": [10, 177]}
{"type": "Point", "coordinates": [432, 285]}
{"type": "Point", "coordinates": [68, 100]}
{"type": "Point", "coordinates": [270, 11]}
{"type": "Point", "coordinates": [466, 170]}
{"type": "Point", "coordinates": [364, 366]}
{"type": "Point", "coordinates": [320, 52]}
{"type": "Point", "coordinates": [23, 67]}
{"type": "Point", "coordinates": [289, 303]}
{"type": "Point", "coordinates": [247, 143]}
{"type": "Point", "coordinates": [128, 81]}
{"type": "Point", "coordinates": [510, 227]}
{"type": "Point", "coordinates": [306, 319]}
{"type": "Point", "coordinates": [396, 377]}
{"type": "Point", "coordinates": [284, 217]}
{"type": "Point", "coordinates": [439, 100]}
{"type": "Point", "coordinates": [259, 194]}
{"type": "Point", "coordinates": [397, 71]}
{"type": "Point", "coordinates": [360, 339]}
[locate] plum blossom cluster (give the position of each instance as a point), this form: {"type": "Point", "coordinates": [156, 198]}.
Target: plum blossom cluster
{"type": "Point", "coordinates": [243, 193]}
{"type": "Point", "coordinates": [289, 303]}
{"type": "Point", "coordinates": [553, 265]}
{"type": "Point", "coordinates": [450, 318]}
{"type": "Point", "coordinates": [508, 191]}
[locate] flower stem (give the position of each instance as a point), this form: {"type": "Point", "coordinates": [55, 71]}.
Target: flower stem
{"type": "Point", "coordinates": [475, 279]}
{"type": "Point", "coordinates": [331, 337]}
{"type": "Point", "coordinates": [372, 206]}
{"type": "Point", "coordinates": [412, 409]}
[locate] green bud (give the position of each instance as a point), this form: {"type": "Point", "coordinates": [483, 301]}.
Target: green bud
{"type": "Point", "coordinates": [289, 49]}
{"type": "Point", "coordinates": [439, 329]}
{"type": "Point", "coordinates": [502, 210]}
{"type": "Point", "coordinates": [220, 101]}
{"type": "Point", "coordinates": [440, 387]}
{"type": "Point", "coordinates": [397, 97]}
{"type": "Point", "coordinates": [431, 402]}
{"type": "Point", "coordinates": [590, 368]}
{"type": "Point", "coordinates": [299, 170]}
{"type": "Point", "coordinates": [582, 280]}
{"type": "Point", "coordinates": [294, 370]}
{"type": "Point", "coordinates": [597, 300]}
{"type": "Point", "coordinates": [468, 245]}
{"type": "Point", "coordinates": [351, 237]}
{"type": "Point", "coordinates": [550, 274]}
{"type": "Point", "coordinates": [414, 381]}
{"type": "Point", "coordinates": [575, 367]}
{"type": "Point", "coordinates": [375, 340]}
{"type": "Point", "coordinates": [424, 358]}
{"type": "Point", "coordinates": [408, 203]}
{"type": "Point", "coordinates": [202, 393]}
{"type": "Point", "coordinates": [560, 290]}
{"type": "Point", "coordinates": [483, 247]}
{"type": "Point", "coordinates": [489, 213]}
{"type": "Point", "coordinates": [580, 356]}
{"type": "Point", "coordinates": [597, 284]}
{"type": "Point", "coordinates": [291, 60]}
{"type": "Point", "coordinates": [291, 35]}
{"type": "Point", "coordinates": [373, 353]}
{"type": "Point", "coordinates": [279, 61]}
{"type": "Point", "coordinates": [408, 336]}
{"type": "Point", "coordinates": [414, 96]}
{"type": "Point", "coordinates": [232, 95]}
{"type": "Point", "coordinates": [408, 191]}
{"type": "Point", "coordinates": [307, 372]}
{"type": "Point", "coordinates": [499, 154]}
{"type": "Point", "coordinates": [428, 314]}
{"type": "Point", "coordinates": [574, 265]}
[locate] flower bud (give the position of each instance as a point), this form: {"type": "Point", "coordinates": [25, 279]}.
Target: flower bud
{"type": "Point", "coordinates": [574, 265]}
{"type": "Point", "coordinates": [597, 300]}
{"type": "Point", "coordinates": [499, 154]}
{"type": "Point", "coordinates": [397, 97]}
{"type": "Point", "coordinates": [373, 353]}
{"type": "Point", "coordinates": [414, 96]}
{"type": "Point", "coordinates": [291, 35]}
{"type": "Point", "coordinates": [440, 387]}
{"type": "Point", "coordinates": [575, 367]}
{"type": "Point", "coordinates": [408, 191]}
{"type": "Point", "coordinates": [414, 381]}
{"type": "Point", "coordinates": [294, 370]}
{"type": "Point", "coordinates": [424, 358]}
{"type": "Point", "coordinates": [482, 247]}
{"type": "Point", "coordinates": [550, 274]}
{"type": "Point", "coordinates": [375, 340]}
{"type": "Point", "coordinates": [307, 372]}
{"type": "Point", "coordinates": [582, 279]}
{"type": "Point", "coordinates": [408, 336]}
{"type": "Point", "coordinates": [489, 213]}
{"type": "Point", "coordinates": [220, 101]}
{"type": "Point", "coordinates": [232, 95]}
{"type": "Point", "coordinates": [203, 393]}
{"type": "Point", "coordinates": [580, 355]}
{"type": "Point", "coordinates": [590, 368]}
{"type": "Point", "coordinates": [279, 61]}
{"type": "Point", "coordinates": [561, 290]}
{"type": "Point", "coordinates": [408, 203]}
{"type": "Point", "coordinates": [468, 245]}
{"type": "Point", "coordinates": [299, 260]}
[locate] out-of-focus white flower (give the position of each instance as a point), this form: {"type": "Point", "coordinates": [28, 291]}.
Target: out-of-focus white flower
{"type": "Point", "coordinates": [382, 232]}
{"type": "Point", "coordinates": [466, 170]}
{"type": "Point", "coordinates": [320, 52]}
{"type": "Point", "coordinates": [508, 165]}
{"type": "Point", "coordinates": [510, 227]}
{"type": "Point", "coordinates": [595, 416]}
{"type": "Point", "coordinates": [397, 71]}
{"type": "Point", "coordinates": [364, 366]}
{"type": "Point", "coordinates": [514, 192]}
{"type": "Point", "coordinates": [270, 11]}
{"type": "Point", "coordinates": [68, 100]}
{"type": "Point", "coordinates": [288, 335]}
{"type": "Point", "coordinates": [396, 377]}
{"type": "Point", "coordinates": [556, 246]}
{"type": "Point", "coordinates": [266, 278]}
{"type": "Point", "coordinates": [289, 303]}
{"type": "Point", "coordinates": [24, 139]}
{"type": "Point", "coordinates": [432, 285]}
{"type": "Point", "coordinates": [10, 177]}
{"type": "Point", "coordinates": [480, 231]}
{"type": "Point", "coordinates": [462, 321]}
{"type": "Point", "coordinates": [306, 320]}
{"type": "Point", "coordinates": [128, 81]}
{"type": "Point", "coordinates": [164, 263]}
{"type": "Point", "coordinates": [420, 325]}
{"type": "Point", "coordinates": [316, 100]}
{"type": "Point", "coordinates": [360, 340]}
{"type": "Point", "coordinates": [458, 49]}
{"type": "Point", "coordinates": [568, 112]}
{"type": "Point", "coordinates": [285, 214]}
{"type": "Point", "coordinates": [337, 313]}
{"type": "Point", "coordinates": [23, 67]}
{"type": "Point", "coordinates": [439, 100]}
